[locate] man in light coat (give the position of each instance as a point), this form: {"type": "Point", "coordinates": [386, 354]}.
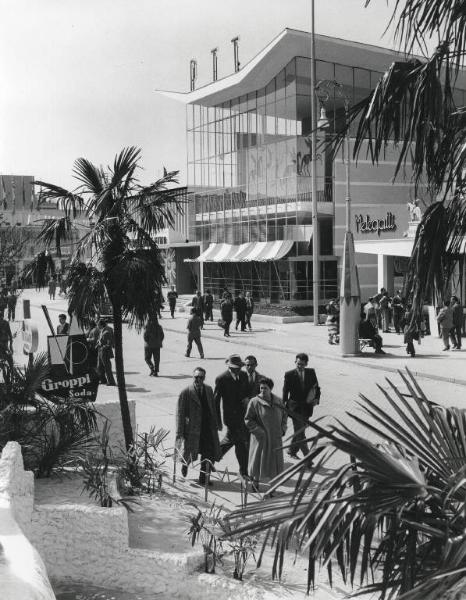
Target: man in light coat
{"type": "Point", "coordinates": [197, 425]}
{"type": "Point", "coordinates": [445, 320]}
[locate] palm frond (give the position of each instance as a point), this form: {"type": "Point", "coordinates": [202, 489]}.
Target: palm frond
{"type": "Point", "coordinates": [71, 202]}
{"type": "Point", "coordinates": [55, 231]}
{"type": "Point", "coordinates": [391, 512]}
{"type": "Point", "coordinates": [86, 291]}
{"type": "Point", "coordinates": [90, 176]}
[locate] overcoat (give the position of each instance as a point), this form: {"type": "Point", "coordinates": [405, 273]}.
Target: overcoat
{"type": "Point", "coordinates": [267, 425]}
{"type": "Point", "coordinates": [188, 422]}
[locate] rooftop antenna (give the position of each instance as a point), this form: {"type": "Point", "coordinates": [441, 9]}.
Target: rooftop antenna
{"type": "Point", "coordinates": [214, 64]}
{"type": "Point", "coordinates": [193, 73]}
{"type": "Point", "coordinates": [234, 41]}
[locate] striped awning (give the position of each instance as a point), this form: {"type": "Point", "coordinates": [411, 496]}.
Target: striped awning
{"type": "Point", "coordinates": [210, 253]}
{"type": "Point", "coordinates": [248, 252]}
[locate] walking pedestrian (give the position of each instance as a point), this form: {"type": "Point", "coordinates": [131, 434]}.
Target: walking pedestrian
{"type": "Point", "coordinates": [63, 327]}
{"type": "Point", "coordinates": [265, 419]}
{"type": "Point", "coordinates": [153, 342]}
{"type": "Point", "coordinates": [445, 320]}
{"type": "Point", "coordinates": [11, 300]}
{"type": "Point", "coordinates": [208, 303]}
{"type": "Point", "coordinates": [159, 300]}
{"type": "Point", "coordinates": [172, 297]}
{"type": "Point", "coordinates": [240, 308]}
{"type": "Point", "coordinates": [198, 304]}
{"type": "Point", "coordinates": [249, 309]}
{"type": "Point", "coordinates": [397, 307]}
{"type": "Point", "coordinates": [105, 346]}
{"type": "Point", "coordinates": [231, 390]}
{"type": "Point", "coordinates": [455, 332]}
{"type": "Point", "coordinates": [226, 311]}
{"type": "Point", "coordinates": [194, 327]}
{"type": "Point", "coordinates": [300, 393]}
{"type": "Point", "coordinates": [410, 329]}
{"type": "Point", "coordinates": [250, 363]}
{"type": "Point", "coordinates": [52, 287]}
{"type": "Point", "coordinates": [197, 425]}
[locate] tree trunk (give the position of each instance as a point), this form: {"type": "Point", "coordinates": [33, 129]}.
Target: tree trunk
{"type": "Point", "coordinates": [120, 374]}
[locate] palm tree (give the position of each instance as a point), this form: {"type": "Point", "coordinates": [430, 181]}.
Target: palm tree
{"type": "Point", "coordinates": [418, 106]}
{"type": "Point", "coordinates": [125, 265]}
{"type": "Point", "coordinates": [385, 506]}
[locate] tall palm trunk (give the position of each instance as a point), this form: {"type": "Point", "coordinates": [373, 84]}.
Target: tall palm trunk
{"type": "Point", "coordinates": [120, 373]}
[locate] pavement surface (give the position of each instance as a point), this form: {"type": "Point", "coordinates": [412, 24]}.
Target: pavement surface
{"type": "Point", "coordinates": [442, 375]}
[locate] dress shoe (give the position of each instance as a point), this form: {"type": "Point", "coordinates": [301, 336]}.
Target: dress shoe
{"type": "Point", "coordinates": [184, 470]}
{"type": "Point", "coordinates": [446, 348]}
{"type": "Point", "coordinates": [202, 480]}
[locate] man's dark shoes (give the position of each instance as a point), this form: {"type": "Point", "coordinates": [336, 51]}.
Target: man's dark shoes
{"type": "Point", "coordinates": [202, 480]}
{"type": "Point", "coordinates": [184, 470]}
{"type": "Point", "coordinates": [292, 455]}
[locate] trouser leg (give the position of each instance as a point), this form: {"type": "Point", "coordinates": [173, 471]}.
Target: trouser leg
{"type": "Point", "coordinates": [299, 437]}
{"type": "Point", "coordinates": [446, 337]}
{"type": "Point", "coordinates": [199, 346]}
{"type": "Point", "coordinates": [190, 345]}
{"type": "Point", "coordinates": [148, 357]}
{"type": "Point", "coordinates": [108, 370]}
{"type": "Point", "coordinates": [156, 357]}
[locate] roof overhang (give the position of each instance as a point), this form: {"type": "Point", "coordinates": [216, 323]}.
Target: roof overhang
{"type": "Point", "coordinates": [388, 247]}
{"type": "Point", "coordinates": [259, 71]}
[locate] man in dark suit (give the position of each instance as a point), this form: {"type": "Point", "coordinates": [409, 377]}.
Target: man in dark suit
{"type": "Point", "coordinates": [240, 308]}
{"type": "Point", "coordinates": [296, 396]}
{"type": "Point", "coordinates": [231, 387]}
{"type": "Point", "coordinates": [250, 363]}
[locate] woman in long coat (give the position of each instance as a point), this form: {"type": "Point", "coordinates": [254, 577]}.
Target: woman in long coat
{"type": "Point", "coordinates": [197, 425]}
{"type": "Point", "coordinates": [265, 419]}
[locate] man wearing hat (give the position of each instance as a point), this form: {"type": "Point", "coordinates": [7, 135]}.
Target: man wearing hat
{"type": "Point", "coordinates": [231, 387]}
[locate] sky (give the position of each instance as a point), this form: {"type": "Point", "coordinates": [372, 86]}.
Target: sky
{"type": "Point", "coordinates": [78, 77]}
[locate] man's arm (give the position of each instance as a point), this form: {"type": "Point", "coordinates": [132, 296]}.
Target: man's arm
{"type": "Point", "coordinates": [217, 398]}
{"type": "Point", "coordinates": [286, 389]}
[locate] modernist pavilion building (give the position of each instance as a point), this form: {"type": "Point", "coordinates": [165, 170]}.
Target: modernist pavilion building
{"type": "Point", "coordinates": [249, 223]}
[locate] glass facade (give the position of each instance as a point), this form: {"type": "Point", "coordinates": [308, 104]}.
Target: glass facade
{"type": "Point", "coordinates": [249, 162]}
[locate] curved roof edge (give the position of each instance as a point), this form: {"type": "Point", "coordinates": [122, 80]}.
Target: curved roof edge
{"type": "Point", "coordinates": [259, 71]}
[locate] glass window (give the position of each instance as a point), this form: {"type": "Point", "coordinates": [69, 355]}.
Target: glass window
{"type": "Point", "coordinates": [303, 75]}
{"type": "Point", "coordinates": [344, 76]}
{"type": "Point", "coordinates": [324, 70]}
{"type": "Point", "coordinates": [280, 81]}
{"type": "Point", "coordinates": [290, 78]}
{"type": "Point", "coordinates": [270, 93]}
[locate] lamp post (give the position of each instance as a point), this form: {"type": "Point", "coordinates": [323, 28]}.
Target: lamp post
{"type": "Point", "coordinates": [350, 295]}
{"type": "Point", "coordinates": [315, 221]}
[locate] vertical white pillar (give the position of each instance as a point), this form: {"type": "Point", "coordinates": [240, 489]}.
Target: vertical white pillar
{"type": "Point", "coordinates": [382, 271]}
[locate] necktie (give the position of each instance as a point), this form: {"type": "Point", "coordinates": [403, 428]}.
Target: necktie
{"type": "Point", "coordinates": [251, 378]}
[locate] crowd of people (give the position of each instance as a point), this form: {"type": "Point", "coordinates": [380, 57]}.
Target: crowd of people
{"type": "Point", "coordinates": [383, 314]}
{"type": "Point", "coordinates": [254, 418]}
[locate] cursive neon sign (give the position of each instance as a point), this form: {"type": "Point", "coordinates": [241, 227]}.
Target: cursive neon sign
{"type": "Point", "coordinates": [368, 225]}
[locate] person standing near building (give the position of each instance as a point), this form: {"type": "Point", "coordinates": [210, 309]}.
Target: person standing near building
{"type": "Point", "coordinates": [198, 304]}
{"type": "Point", "coordinates": [240, 308]}
{"type": "Point", "coordinates": [456, 330]}
{"type": "Point", "coordinates": [208, 302]}
{"type": "Point", "coordinates": [226, 311]}
{"type": "Point", "coordinates": [265, 419]}
{"type": "Point", "coordinates": [333, 322]}
{"type": "Point", "coordinates": [194, 327]}
{"type": "Point", "coordinates": [445, 320]}
{"type": "Point", "coordinates": [153, 342]}
{"type": "Point", "coordinates": [172, 297]}
{"type": "Point", "coordinates": [52, 287]}
{"type": "Point", "coordinates": [249, 309]}
{"type": "Point", "coordinates": [384, 307]}
{"type": "Point", "coordinates": [231, 390]}
{"type": "Point", "coordinates": [410, 329]}
{"type": "Point", "coordinates": [397, 308]}
{"type": "Point", "coordinates": [63, 327]}
{"type": "Point", "coordinates": [197, 425]}
{"type": "Point", "coordinates": [300, 393]}
{"type": "Point", "coordinates": [11, 300]}
{"type": "Point", "coordinates": [105, 346]}
{"type": "Point", "coordinates": [250, 363]}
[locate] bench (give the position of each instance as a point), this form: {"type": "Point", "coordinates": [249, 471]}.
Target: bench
{"type": "Point", "coordinates": [365, 342]}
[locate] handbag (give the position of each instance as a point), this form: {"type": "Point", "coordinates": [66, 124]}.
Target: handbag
{"type": "Point", "coordinates": [313, 395]}
{"type": "Point", "coordinates": [221, 323]}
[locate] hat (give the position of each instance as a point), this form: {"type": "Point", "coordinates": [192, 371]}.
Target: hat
{"type": "Point", "coordinates": [234, 361]}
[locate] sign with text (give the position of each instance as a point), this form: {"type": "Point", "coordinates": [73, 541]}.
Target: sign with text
{"type": "Point", "coordinates": [30, 336]}
{"type": "Point", "coordinates": [367, 224]}
{"type": "Point", "coordinates": [71, 375]}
